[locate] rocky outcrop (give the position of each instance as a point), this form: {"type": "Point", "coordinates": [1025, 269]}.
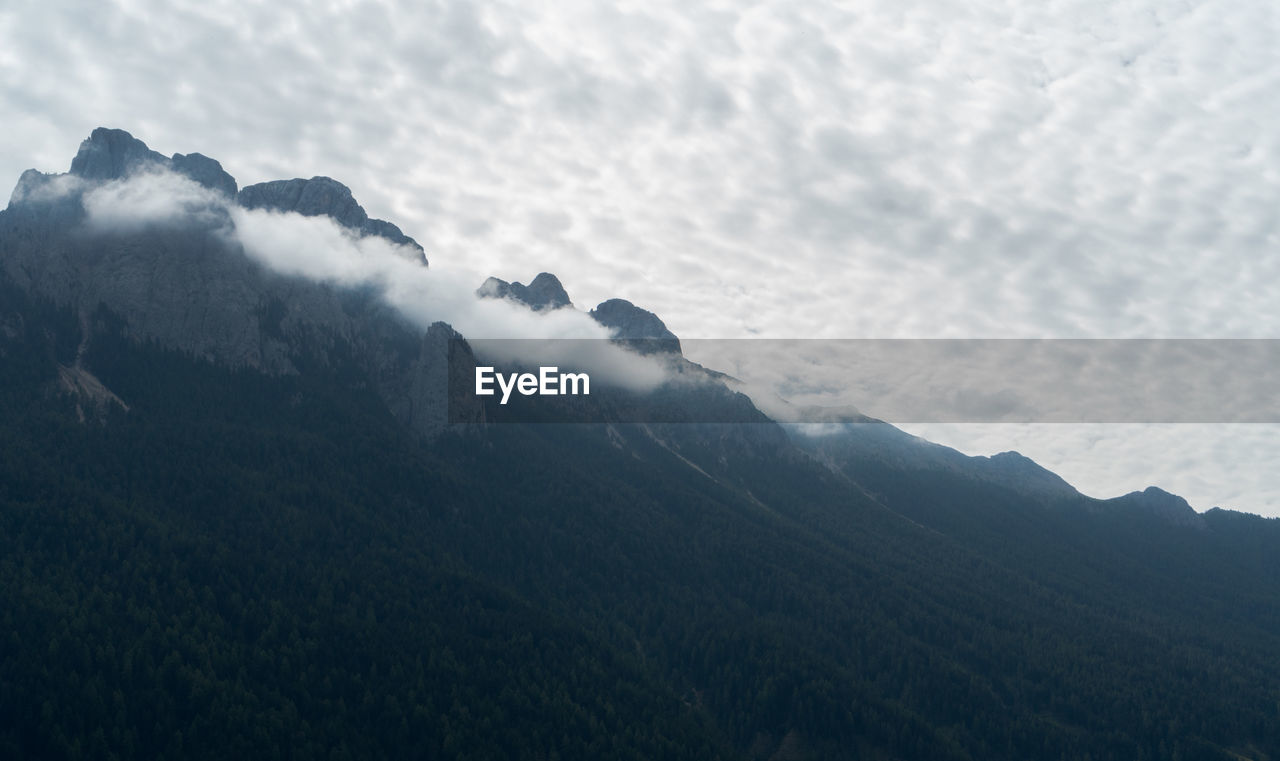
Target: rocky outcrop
{"type": "Point", "coordinates": [205, 171]}
{"type": "Point", "coordinates": [544, 293]}
{"type": "Point", "coordinates": [640, 328]}
{"type": "Point", "coordinates": [113, 154]}
{"type": "Point", "coordinates": [322, 196]}
{"type": "Point", "coordinates": [109, 154]}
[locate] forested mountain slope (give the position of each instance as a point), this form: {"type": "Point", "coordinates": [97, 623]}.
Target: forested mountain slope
{"type": "Point", "coordinates": [208, 558]}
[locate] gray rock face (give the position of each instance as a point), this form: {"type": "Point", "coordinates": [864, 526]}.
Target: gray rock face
{"type": "Point", "coordinates": [544, 292]}
{"type": "Point", "coordinates": [205, 171]}
{"type": "Point", "coordinates": [109, 154]}
{"type": "Point", "coordinates": [189, 287]}
{"type": "Point", "coordinates": [322, 196]}
{"type": "Point", "coordinates": [420, 393]}
{"type": "Point", "coordinates": [639, 327]}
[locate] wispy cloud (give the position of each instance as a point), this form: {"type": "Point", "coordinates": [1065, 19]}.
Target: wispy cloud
{"type": "Point", "coordinates": [146, 199]}
{"type": "Point", "coordinates": [319, 249]}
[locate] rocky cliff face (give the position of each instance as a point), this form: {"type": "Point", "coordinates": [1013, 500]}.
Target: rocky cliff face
{"type": "Point", "coordinates": [189, 287]}
{"type": "Point", "coordinates": [205, 171]}
{"type": "Point", "coordinates": [111, 154]}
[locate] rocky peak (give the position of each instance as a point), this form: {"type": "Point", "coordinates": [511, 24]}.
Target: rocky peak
{"type": "Point", "coordinates": [631, 323]}
{"type": "Point", "coordinates": [311, 198]}
{"type": "Point", "coordinates": [543, 292]}
{"type": "Point", "coordinates": [322, 196]}
{"type": "Point", "coordinates": [546, 291]}
{"type": "Point", "coordinates": [109, 154]}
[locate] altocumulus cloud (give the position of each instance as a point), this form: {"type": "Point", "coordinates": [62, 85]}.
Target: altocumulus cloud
{"type": "Point", "coordinates": [880, 169]}
{"type": "Point", "coordinates": [890, 168]}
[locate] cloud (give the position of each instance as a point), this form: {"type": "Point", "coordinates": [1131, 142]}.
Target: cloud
{"type": "Point", "coordinates": [41, 188]}
{"type": "Point", "coordinates": [785, 168]}
{"type": "Point", "coordinates": [149, 198]}
{"type": "Point", "coordinates": [318, 248]}
{"type": "Point", "coordinates": [797, 168]}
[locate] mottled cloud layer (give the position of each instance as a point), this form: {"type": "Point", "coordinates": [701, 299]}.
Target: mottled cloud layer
{"type": "Point", "coordinates": [885, 168]}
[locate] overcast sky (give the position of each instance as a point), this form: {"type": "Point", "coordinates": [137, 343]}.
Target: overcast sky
{"type": "Point", "coordinates": [872, 169]}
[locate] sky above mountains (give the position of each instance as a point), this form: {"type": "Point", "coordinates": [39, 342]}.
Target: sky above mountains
{"type": "Point", "coordinates": [780, 169]}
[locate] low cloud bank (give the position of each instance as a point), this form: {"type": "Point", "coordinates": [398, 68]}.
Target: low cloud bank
{"type": "Point", "coordinates": [148, 198]}
{"type": "Point", "coordinates": [319, 249]}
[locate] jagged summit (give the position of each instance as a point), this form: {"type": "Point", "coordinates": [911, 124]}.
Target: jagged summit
{"type": "Point", "coordinates": [112, 154]}
{"type": "Point", "coordinates": [109, 154]}
{"type": "Point", "coordinates": [320, 196]}
{"type": "Point", "coordinates": [630, 322]}
{"type": "Point", "coordinates": [543, 292]}
{"type": "Point", "coordinates": [185, 285]}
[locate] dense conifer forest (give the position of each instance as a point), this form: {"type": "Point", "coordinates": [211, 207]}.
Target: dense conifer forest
{"type": "Point", "coordinates": [250, 566]}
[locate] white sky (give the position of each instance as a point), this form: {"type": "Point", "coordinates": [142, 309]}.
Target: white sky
{"type": "Point", "coordinates": [869, 169]}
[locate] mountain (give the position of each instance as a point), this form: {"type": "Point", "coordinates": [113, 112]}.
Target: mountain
{"type": "Point", "coordinates": [234, 522]}
{"type": "Point", "coordinates": [190, 288]}
{"type": "Point", "coordinates": [543, 292]}
{"type": "Point", "coordinates": [1158, 502]}
{"type": "Point", "coordinates": [640, 326]}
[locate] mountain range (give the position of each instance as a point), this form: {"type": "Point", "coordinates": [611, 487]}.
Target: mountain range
{"type": "Point", "coordinates": [239, 516]}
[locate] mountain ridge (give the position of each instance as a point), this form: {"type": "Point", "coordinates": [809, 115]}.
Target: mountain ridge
{"type": "Point", "coordinates": [114, 154]}
{"type": "Point", "coordinates": [281, 545]}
